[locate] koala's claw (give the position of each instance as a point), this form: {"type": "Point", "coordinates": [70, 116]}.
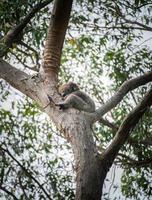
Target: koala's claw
{"type": "Point", "coordinates": [61, 106]}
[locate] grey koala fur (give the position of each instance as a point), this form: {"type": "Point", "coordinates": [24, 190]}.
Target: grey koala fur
{"type": "Point", "coordinates": [75, 98]}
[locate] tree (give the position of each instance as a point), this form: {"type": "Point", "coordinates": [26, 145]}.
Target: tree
{"type": "Point", "coordinates": [91, 165]}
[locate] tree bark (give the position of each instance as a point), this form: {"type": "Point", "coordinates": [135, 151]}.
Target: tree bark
{"type": "Point", "coordinates": [91, 168]}
{"type": "Point", "coordinates": [90, 173]}
{"type": "Point", "coordinates": [55, 38]}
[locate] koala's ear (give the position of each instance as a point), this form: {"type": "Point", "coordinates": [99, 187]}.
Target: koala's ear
{"type": "Point", "coordinates": [74, 86]}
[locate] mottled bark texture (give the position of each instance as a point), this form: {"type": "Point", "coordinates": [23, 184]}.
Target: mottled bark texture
{"type": "Point", "coordinates": [90, 166]}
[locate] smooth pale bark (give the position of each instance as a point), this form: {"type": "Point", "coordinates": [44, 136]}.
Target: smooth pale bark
{"type": "Point", "coordinates": [90, 171]}
{"type": "Point", "coordinates": [87, 159]}
{"type": "Point", "coordinates": [18, 79]}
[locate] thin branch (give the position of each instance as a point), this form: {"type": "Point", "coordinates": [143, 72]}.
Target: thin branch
{"type": "Point", "coordinates": [145, 4]}
{"type": "Point", "coordinates": [114, 27]}
{"type": "Point", "coordinates": [2, 172]}
{"type": "Point", "coordinates": [33, 50]}
{"type": "Point", "coordinates": [29, 174]}
{"type": "Point", "coordinates": [137, 47]}
{"type": "Point", "coordinates": [132, 6]}
{"type": "Point", "coordinates": [108, 124]}
{"type": "Point", "coordinates": [133, 22]}
{"type": "Point", "coordinates": [119, 95]}
{"type": "Point", "coordinates": [136, 163]}
{"type": "Point", "coordinates": [147, 141]}
{"type": "Point", "coordinates": [148, 28]}
{"type": "Point", "coordinates": [125, 129]}
{"type": "Point", "coordinates": [18, 79]}
{"type": "Point", "coordinates": [26, 66]}
{"type": "Point", "coordinates": [8, 192]}
{"type": "Point", "coordinates": [17, 30]}
{"type": "Point", "coordinates": [22, 187]}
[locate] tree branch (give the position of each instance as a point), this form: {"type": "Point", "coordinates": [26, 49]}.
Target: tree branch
{"type": "Point", "coordinates": [8, 192]}
{"type": "Point", "coordinates": [148, 28]}
{"type": "Point", "coordinates": [125, 129]}
{"type": "Point", "coordinates": [34, 51]}
{"type": "Point", "coordinates": [147, 141]}
{"type": "Point", "coordinates": [121, 26]}
{"type": "Point", "coordinates": [27, 172]}
{"type": "Point", "coordinates": [136, 163]}
{"type": "Point", "coordinates": [55, 38]}
{"type": "Point", "coordinates": [22, 187]}
{"type": "Point", "coordinates": [18, 79]}
{"type": "Point", "coordinates": [20, 60]}
{"type": "Point", "coordinates": [133, 22]}
{"type": "Point", "coordinates": [109, 124]}
{"type": "Point", "coordinates": [17, 30]}
{"type": "Point", "coordinates": [117, 98]}
{"type": "Point", "coordinates": [142, 5]}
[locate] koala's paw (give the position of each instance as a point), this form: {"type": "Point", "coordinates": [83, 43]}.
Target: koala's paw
{"type": "Point", "coordinates": [61, 105]}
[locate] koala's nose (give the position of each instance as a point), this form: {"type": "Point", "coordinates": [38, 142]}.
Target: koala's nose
{"type": "Point", "coordinates": [63, 95]}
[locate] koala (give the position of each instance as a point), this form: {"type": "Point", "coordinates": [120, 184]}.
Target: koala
{"type": "Point", "coordinates": [75, 98]}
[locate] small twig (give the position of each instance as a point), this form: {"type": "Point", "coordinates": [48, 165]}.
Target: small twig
{"type": "Point", "coordinates": [2, 167]}
{"type": "Point", "coordinates": [145, 4]}
{"type": "Point", "coordinates": [27, 172]}
{"type": "Point", "coordinates": [136, 163]}
{"type": "Point", "coordinates": [50, 101]}
{"type": "Point", "coordinates": [8, 192]}
{"type": "Point", "coordinates": [33, 50]}
{"type": "Point", "coordinates": [109, 124]}
{"type": "Point", "coordinates": [26, 66]}
{"type": "Point", "coordinates": [22, 187]}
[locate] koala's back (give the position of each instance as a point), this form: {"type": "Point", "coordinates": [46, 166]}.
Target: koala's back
{"type": "Point", "coordinates": [86, 98]}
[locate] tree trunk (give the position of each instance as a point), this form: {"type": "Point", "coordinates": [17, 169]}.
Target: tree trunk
{"type": "Point", "coordinates": [89, 172]}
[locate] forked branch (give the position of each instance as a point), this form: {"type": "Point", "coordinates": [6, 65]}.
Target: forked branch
{"type": "Point", "coordinates": [133, 22]}
{"type": "Point", "coordinates": [145, 27]}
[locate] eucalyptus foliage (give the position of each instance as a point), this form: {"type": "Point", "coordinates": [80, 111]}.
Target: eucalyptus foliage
{"type": "Point", "coordinates": [104, 46]}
